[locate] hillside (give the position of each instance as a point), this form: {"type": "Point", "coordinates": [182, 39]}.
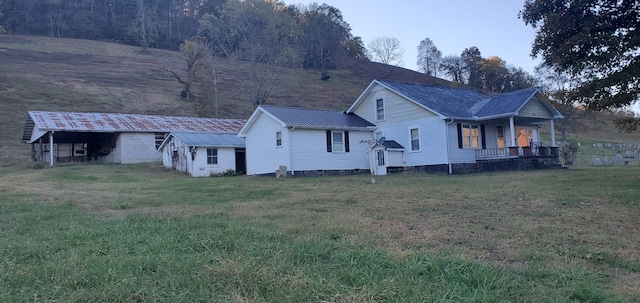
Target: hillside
{"type": "Point", "coordinates": [52, 74]}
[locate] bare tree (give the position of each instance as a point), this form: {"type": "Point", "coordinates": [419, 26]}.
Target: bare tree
{"type": "Point", "coordinates": [429, 57]}
{"type": "Point", "coordinates": [386, 50]}
{"type": "Point", "coordinates": [257, 32]}
{"type": "Point", "coordinates": [454, 67]}
{"type": "Point", "coordinates": [194, 51]}
{"type": "Point", "coordinates": [560, 88]}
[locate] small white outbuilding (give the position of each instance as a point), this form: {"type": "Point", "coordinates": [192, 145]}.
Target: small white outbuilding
{"type": "Point", "coordinates": [204, 154]}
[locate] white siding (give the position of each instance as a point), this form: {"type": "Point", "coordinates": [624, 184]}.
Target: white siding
{"type": "Point", "coordinates": [183, 161]}
{"type": "Point", "coordinates": [400, 116]}
{"type": "Point", "coordinates": [535, 108]}
{"type": "Point", "coordinates": [309, 151]}
{"type": "Point", "coordinates": [459, 155]}
{"type": "Point", "coordinates": [263, 156]}
{"type": "Point", "coordinates": [226, 161]}
{"type": "Point", "coordinates": [397, 108]}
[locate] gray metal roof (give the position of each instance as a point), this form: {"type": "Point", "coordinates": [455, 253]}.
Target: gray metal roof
{"type": "Point", "coordinates": [313, 118]}
{"type": "Point", "coordinates": [503, 104]}
{"type": "Point", "coordinates": [392, 144]}
{"type": "Point", "coordinates": [209, 140]}
{"type": "Point", "coordinates": [110, 122]}
{"type": "Point", "coordinates": [447, 101]}
{"type": "Point", "coordinates": [458, 102]}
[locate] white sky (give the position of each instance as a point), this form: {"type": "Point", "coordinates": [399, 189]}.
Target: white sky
{"type": "Point", "coordinates": [453, 25]}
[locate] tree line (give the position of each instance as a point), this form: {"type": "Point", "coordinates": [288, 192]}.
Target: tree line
{"type": "Point", "coordinates": [314, 34]}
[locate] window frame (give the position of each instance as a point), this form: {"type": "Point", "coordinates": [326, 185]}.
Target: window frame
{"type": "Point", "coordinates": [279, 139]}
{"type": "Point", "coordinates": [212, 156]}
{"type": "Point", "coordinates": [333, 142]}
{"type": "Point", "coordinates": [412, 139]}
{"type": "Point", "coordinates": [468, 140]}
{"type": "Point", "coordinates": [380, 108]}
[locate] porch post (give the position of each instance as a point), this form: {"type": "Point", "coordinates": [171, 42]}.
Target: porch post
{"type": "Point", "coordinates": [513, 131]}
{"type": "Point", "coordinates": [553, 134]}
{"type": "Point", "coordinates": [51, 148]}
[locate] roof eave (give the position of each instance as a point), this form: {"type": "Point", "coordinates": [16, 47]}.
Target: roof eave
{"type": "Point", "coordinates": [329, 127]}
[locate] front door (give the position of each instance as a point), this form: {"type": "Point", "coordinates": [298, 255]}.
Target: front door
{"type": "Point", "coordinates": [381, 163]}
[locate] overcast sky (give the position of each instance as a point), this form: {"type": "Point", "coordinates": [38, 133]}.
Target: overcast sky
{"type": "Point", "coordinates": [453, 25]}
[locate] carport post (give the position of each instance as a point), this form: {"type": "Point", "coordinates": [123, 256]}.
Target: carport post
{"type": "Point", "coordinates": [51, 148]}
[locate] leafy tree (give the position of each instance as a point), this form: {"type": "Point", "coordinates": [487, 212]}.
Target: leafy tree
{"type": "Point", "coordinates": [354, 47]}
{"type": "Point", "coordinates": [494, 71]}
{"type": "Point", "coordinates": [454, 67]}
{"type": "Point", "coordinates": [472, 59]}
{"type": "Point", "coordinates": [386, 50]}
{"type": "Point", "coordinates": [324, 33]}
{"type": "Point", "coordinates": [429, 57]}
{"type": "Point", "coordinates": [596, 41]}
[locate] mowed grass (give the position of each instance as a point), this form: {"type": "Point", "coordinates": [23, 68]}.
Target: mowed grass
{"type": "Point", "coordinates": [139, 233]}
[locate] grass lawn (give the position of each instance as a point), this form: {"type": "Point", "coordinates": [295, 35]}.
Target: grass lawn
{"type": "Point", "coordinates": [138, 233]}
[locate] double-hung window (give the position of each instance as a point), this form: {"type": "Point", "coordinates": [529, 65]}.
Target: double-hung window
{"type": "Point", "coordinates": [337, 141]}
{"type": "Point", "coordinates": [470, 136]}
{"type": "Point", "coordinates": [278, 139]}
{"type": "Point", "coordinates": [380, 109]}
{"type": "Point", "coordinates": [212, 156]}
{"type": "Point", "coordinates": [415, 139]}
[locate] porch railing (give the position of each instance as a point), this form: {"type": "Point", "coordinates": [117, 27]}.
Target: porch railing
{"type": "Point", "coordinates": [535, 149]}
{"type": "Point", "coordinates": [492, 153]}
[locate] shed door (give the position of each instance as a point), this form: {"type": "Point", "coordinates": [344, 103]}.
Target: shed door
{"type": "Point", "coordinates": [241, 161]}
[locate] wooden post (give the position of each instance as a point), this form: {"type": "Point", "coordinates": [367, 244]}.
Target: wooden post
{"type": "Point", "coordinates": [512, 129]}
{"type": "Point", "coordinates": [553, 134]}
{"type": "Point", "coordinates": [51, 148]}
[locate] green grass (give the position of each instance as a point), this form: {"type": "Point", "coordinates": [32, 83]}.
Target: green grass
{"type": "Point", "coordinates": [138, 233]}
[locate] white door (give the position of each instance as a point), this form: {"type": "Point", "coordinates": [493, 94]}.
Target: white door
{"type": "Point", "coordinates": [381, 162]}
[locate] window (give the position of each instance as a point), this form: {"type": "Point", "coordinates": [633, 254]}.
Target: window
{"type": "Point", "coordinates": [415, 139]}
{"type": "Point", "coordinates": [159, 137]}
{"type": "Point", "coordinates": [278, 138]}
{"type": "Point", "coordinates": [379, 109]}
{"type": "Point", "coordinates": [212, 156]}
{"type": "Point", "coordinates": [470, 136]}
{"type": "Point", "coordinates": [500, 134]}
{"type": "Point", "coordinates": [337, 141]}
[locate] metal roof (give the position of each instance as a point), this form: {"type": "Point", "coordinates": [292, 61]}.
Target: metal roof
{"type": "Point", "coordinates": [207, 139]}
{"type": "Point", "coordinates": [505, 103]}
{"type": "Point", "coordinates": [301, 117]}
{"type": "Point", "coordinates": [110, 122]}
{"type": "Point", "coordinates": [457, 102]}
{"type": "Point", "coordinates": [391, 144]}
{"type": "Point", "coordinates": [447, 101]}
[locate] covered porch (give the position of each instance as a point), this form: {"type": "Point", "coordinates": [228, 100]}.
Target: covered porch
{"type": "Point", "coordinates": [521, 139]}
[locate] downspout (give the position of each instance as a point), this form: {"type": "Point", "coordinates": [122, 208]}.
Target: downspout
{"type": "Point", "coordinates": [291, 150]}
{"type": "Point", "coordinates": [446, 133]}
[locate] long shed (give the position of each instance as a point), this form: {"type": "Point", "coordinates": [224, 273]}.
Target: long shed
{"type": "Point", "coordinates": [58, 137]}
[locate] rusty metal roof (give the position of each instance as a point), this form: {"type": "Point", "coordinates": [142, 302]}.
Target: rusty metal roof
{"type": "Point", "coordinates": [109, 122]}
